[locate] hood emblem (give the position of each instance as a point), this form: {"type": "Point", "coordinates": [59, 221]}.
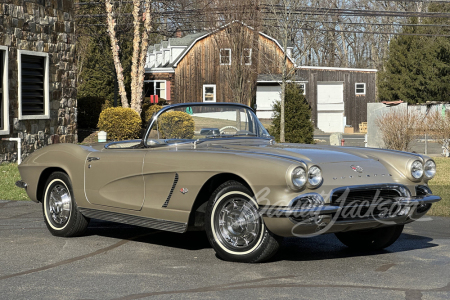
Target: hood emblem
{"type": "Point", "coordinates": [357, 168]}
{"type": "Point", "coordinates": [184, 190]}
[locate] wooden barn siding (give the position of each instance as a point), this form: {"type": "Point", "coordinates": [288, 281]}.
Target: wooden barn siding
{"type": "Point", "coordinates": [201, 66]}
{"type": "Point", "coordinates": [355, 106]}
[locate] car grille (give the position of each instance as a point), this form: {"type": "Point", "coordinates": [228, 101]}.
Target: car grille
{"type": "Point", "coordinates": [357, 203]}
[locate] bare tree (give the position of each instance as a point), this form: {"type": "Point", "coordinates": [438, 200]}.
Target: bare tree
{"type": "Point", "coordinates": [142, 27]}
{"type": "Point", "coordinates": [439, 128]}
{"type": "Point", "coordinates": [399, 127]}
{"type": "Point", "coordinates": [285, 23]}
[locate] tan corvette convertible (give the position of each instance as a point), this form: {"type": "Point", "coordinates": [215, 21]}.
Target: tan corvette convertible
{"type": "Point", "coordinates": [215, 167]}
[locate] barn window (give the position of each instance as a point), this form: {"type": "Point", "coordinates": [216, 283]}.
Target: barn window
{"type": "Point", "coordinates": [247, 57]}
{"type": "Point", "coordinates": [209, 93]}
{"type": "Point", "coordinates": [4, 99]}
{"type": "Point", "coordinates": [225, 57]}
{"type": "Point", "coordinates": [303, 87]}
{"type": "Point", "coordinates": [33, 85]}
{"type": "Point", "coordinates": [360, 88]}
{"type": "Point", "coordinates": [153, 88]}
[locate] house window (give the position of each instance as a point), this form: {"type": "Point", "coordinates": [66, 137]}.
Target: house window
{"type": "Point", "coordinates": [209, 93]}
{"type": "Point", "coordinates": [360, 88]}
{"type": "Point", "coordinates": [225, 57]}
{"type": "Point", "coordinates": [247, 56]}
{"type": "Point", "coordinates": [33, 85]}
{"type": "Point", "coordinates": [155, 87]}
{"type": "Point", "coordinates": [4, 99]}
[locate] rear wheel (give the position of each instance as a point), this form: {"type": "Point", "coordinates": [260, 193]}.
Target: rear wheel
{"type": "Point", "coordinates": [61, 213]}
{"type": "Point", "coordinates": [374, 239]}
{"type": "Point", "coordinates": [234, 227]}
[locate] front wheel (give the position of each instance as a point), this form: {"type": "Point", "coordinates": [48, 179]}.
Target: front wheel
{"type": "Point", "coordinates": [374, 239]}
{"type": "Point", "coordinates": [61, 213]}
{"type": "Point", "coordinates": [235, 228]}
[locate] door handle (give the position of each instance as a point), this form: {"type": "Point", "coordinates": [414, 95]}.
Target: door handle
{"type": "Point", "coordinates": [89, 159]}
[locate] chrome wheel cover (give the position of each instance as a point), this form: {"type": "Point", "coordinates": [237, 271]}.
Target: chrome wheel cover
{"type": "Point", "coordinates": [59, 204]}
{"type": "Point", "coordinates": [237, 224]}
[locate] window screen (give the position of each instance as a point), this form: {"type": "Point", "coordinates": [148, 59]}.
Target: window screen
{"type": "Point", "coordinates": [33, 88]}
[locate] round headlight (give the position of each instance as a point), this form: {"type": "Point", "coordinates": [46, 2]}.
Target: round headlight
{"type": "Point", "coordinates": [314, 176]}
{"type": "Point", "coordinates": [298, 177]}
{"type": "Point", "coordinates": [417, 169]}
{"type": "Point", "coordinates": [430, 169]}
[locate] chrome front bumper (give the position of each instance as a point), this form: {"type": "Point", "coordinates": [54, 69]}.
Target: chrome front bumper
{"type": "Point", "coordinates": [270, 211]}
{"type": "Point", "coordinates": [306, 222]}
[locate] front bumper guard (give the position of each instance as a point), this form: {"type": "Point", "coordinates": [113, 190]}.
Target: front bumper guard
{"type": "Point", "coordinates": [21, 184]}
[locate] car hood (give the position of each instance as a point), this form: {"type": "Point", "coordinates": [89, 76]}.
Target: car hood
{"type": "Point", "coordinates": [315, 153]}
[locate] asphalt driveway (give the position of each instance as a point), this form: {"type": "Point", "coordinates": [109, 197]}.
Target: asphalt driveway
{"type": "Point", "coordinates": [116, 261]}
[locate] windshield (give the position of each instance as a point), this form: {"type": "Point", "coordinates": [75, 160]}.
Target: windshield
{"type": "Point", "coordinates": [198, 122]}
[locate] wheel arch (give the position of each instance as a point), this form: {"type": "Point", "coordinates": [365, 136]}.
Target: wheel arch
{"type": "Point", "coordinates": [196, 217]}
{"type": "Point", "coordinates": [43, 179]}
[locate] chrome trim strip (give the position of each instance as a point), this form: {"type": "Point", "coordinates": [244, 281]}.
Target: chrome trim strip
{"type": "Point", "coordinates": [134, 220]}
{"type": "Point", "coordinates": [122, 142]}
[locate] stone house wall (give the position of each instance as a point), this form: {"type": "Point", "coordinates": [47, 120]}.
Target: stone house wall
{"type": "Point", "coordinates": [43, 26]}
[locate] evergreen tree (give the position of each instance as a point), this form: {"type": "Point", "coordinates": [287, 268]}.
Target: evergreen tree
{"type": "Point", "coordinates": [418, 67]}
{"type": "Point", "coordinates": [298, 125]}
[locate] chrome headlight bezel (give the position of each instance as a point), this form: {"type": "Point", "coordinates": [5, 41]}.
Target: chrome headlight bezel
{"type": "Point", "coordinates": [293, 179]}
{"type": "Point", "coordinates": [315, 177]}
{"type": "Point", "coordinates": [416, 170]}
{"type": "Point", "coordinates": [429, 169]}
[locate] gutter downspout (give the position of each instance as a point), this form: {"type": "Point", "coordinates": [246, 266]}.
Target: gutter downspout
{"type": "Point", "coordinates": [19, 147]}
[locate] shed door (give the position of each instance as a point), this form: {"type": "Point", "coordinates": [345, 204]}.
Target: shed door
{"type": "Point", "coordinates": [330, 106]}
{"type": "Point", "coordinates": [266, 96]}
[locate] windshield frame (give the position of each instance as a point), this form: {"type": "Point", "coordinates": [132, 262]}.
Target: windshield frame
{"type": "Point", "coordinates": [178, 105]}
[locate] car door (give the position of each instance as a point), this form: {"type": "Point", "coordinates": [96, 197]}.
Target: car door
{"type": "Point", "coordinates": [113, 177]}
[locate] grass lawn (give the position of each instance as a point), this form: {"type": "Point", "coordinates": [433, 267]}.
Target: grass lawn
{"type": "Point", "coordinates": [440, 185]}
{"type": "Point", "coordinates": [9, 174]}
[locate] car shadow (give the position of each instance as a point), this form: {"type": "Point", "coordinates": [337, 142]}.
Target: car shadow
{"type": "Point", "coordinates": [327, 246]}
{"type": "Point", "coordinates": [321, 247]}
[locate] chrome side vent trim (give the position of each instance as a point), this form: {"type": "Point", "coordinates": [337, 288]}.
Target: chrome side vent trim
{"type": "Point", "coordinates": [134, 220]}
{"type": "Point", "coordinates": [175, 181]}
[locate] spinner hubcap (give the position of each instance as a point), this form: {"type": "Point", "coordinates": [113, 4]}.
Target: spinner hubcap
{"type": "Point", "coordinates": [59, 204]}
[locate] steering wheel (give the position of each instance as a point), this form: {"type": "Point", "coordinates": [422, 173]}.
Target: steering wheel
{"type": "Point", "coordinates": [221, 130]}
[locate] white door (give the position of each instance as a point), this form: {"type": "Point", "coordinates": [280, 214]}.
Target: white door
{"type": "Point", "coordinates": [266, 96]}
{"type": "Point", "coordinates": [330, 121]}
{"type": "Point", "coordinates": [330, 106]}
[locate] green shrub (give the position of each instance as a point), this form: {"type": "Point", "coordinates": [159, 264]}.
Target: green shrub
{"type": "Point", "coordinates": [89, 109]}
{"type": "Point", "coordinates": [176, 125]}
{"type": "Point", "coordinates": [150, 111]}
{"type": "Point", "coordinates": [298, 127]}
{"type": "Point", "coordinates": [120, 123]}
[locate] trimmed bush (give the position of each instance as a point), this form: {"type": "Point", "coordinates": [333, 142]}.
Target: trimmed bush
{"type": "Point", "coordinates": [120, 123]}
{"type": "Point", "coordinates": [298, 127]}
{"type": "Point", "coordinates": [176, 125]}
{"type": "Point", "coordinates": [150, 111]}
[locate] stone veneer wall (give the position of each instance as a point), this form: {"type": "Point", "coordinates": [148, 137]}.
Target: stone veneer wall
{"type": "Point", "coordinates": [43, 26]}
